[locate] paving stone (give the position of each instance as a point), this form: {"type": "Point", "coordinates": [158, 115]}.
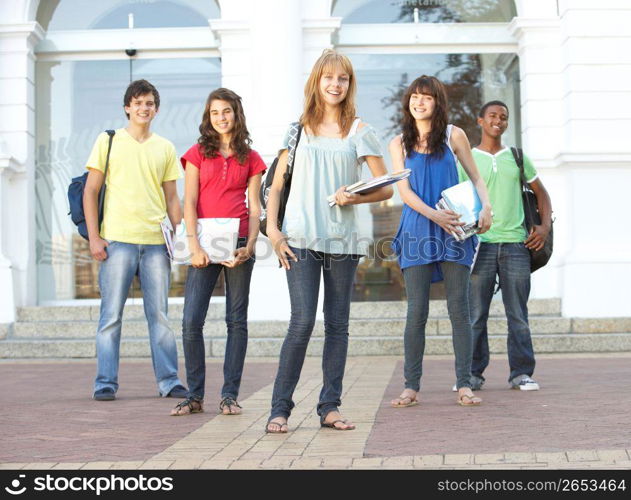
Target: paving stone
{"type": "Point", "coordinates": [398, 463]}
{"type": "Point", "coordinates": [337, 462]}
{"type": "Point", "coordinates": [69, 466]}
{"type": "Point", "coordinates": [156, 464]}
{"type": "Point", "coordinates": [129, 465]}
{"type": "Point", "coordinates": [246, 464]}
{"type": "Point", "coordinates": [552, 457]}
{"type": "Point", "coordinates": [12, 466]}
{"type": "Point", "coordinates": [306, 463]}
{"type": "Point", "coordinates": [489, 458]}
{"type": "Point", "coordinates": [458, 459]}
{"type": "Point", "coordinates": [371, 463]}
{"type": "Point", "coordinates": [186, 464]}
{"type": "Point", "coordinates": [519, 458]}
{"type": "Point", "coordinates": [39, 466]}
{"type": "Point", "coordinates": [423, 461]}
{"type": "Point", "coordinates": [97, 465]}
{"type": "Point", "coordinates": [216, 464]}
{"type": "Point", "coordinates": [277, 462]}
{"type": "Point", "coordinates": [613, 455]}
{"type": "Point", "coordinates": [582, 456]}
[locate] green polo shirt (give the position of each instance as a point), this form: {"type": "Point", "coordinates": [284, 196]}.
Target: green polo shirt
{"type": "Point", "coordinates": [501, 175]}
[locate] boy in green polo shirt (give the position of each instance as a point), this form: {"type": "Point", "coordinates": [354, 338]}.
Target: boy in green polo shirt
{"type": "Point", "coordinates": [504, 250]}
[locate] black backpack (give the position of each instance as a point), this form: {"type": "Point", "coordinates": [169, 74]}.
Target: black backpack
{"type": "Point", "coordinates": [75, 195]}
{"type": "Point", "coordinates": [538, 258]}
{"type": "Point", "coordinates": [294, 137]}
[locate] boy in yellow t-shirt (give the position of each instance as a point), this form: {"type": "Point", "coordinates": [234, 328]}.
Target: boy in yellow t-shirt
{"type": "Point", "coordinates": [140, 191]}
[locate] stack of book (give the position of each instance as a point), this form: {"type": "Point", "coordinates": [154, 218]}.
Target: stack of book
{"type": "Point", "coordinates": [464, 200]}
{"type": "Point", "coordinates": [371, 185]}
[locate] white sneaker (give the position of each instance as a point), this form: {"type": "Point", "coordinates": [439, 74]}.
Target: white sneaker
{"type": "Point", "coordinates": [524, 383]}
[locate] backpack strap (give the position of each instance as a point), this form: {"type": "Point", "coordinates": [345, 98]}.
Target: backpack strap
{"type": "Point", "coordinates": [518, 154]}
{"type": "Point", "coordinates": [295, 131]}
{"type": "Point", "coordinates": [111, 134]}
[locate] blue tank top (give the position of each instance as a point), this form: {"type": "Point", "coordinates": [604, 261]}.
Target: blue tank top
{"type": "Point", "coordinates": [420, 241]}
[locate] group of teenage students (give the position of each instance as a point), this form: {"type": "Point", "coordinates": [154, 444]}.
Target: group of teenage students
{"type": "Point", "coordinates": [314, 240]}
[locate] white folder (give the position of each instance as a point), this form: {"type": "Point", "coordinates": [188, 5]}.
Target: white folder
{"type": "Point", "coordinates": [217, 237]}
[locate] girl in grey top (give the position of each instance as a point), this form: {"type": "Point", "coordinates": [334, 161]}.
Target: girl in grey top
{"type": "Point", "coordinates": [318, 239]}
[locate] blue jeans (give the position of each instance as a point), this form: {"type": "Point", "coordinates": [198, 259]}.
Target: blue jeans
{"type": "Point", "coordinates": [303, 279]}
{"type": "Point", "coordinates": [511, 262]}
{"type": "Point", "coordinates": [417, 283]}
{"type": "Point", "coordinates": [200, 283]}
{"type": "Point", "coordinates": [115, 277]}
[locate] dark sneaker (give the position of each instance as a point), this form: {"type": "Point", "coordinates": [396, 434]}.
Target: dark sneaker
{"type": "Point", "coordinates": [524, 383]}
{"type": "Point", "coordinates": [106, 394]}
{"type": "Point", "coordinates": [178, 391]}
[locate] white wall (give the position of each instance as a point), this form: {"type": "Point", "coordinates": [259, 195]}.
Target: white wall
{"type": "Point", "coordinates": [575, 64]}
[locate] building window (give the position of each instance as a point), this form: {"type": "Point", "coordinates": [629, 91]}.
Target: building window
{"type": "Point", "coordinates": [424, 11]}
{"type": "Point", "coordinates": [388, 59]}
{"type": "Point", "coordinates": [80, 95]}
{"type": "Point", "coordinates": [114, 14]}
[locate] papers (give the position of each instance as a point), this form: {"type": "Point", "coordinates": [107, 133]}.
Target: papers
{"type": "Point", "coordinates": [217, 237]}
{"type": "Point", "coordinates": [464, 200]}
{"type": "Point", "coordinates": [370, 185]}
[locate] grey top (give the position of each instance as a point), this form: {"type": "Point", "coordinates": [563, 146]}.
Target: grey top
{"type": "Point", "coordinates": [322, 166]}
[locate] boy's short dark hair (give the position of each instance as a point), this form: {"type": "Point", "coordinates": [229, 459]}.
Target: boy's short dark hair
{"type": "Point", "coordinates": [137, 88]}
{"type": "Point", "coordinates": [489, 104]}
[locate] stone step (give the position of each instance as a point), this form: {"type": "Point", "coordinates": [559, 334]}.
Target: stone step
{"type": "Point", "coordinates": [359, 310]}
{"type": "Point", "coordinates": [357, 327]}
{"type": "Point", "coordinates": [358, 346]}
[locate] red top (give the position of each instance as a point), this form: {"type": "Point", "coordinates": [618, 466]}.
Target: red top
{"type": "Point", "coordinates": [223, 183]}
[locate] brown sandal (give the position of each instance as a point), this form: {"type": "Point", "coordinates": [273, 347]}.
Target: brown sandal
{"type": "Point", "coordinates": [188, 407]}
{"type": "Point", "coordinates": [229, 402]}
{"type": "Point", "coordinates": [472, 400]}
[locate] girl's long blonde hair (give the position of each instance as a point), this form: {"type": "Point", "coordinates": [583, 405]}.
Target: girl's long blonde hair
{"type": "Point", "coordinates": [313, 112]}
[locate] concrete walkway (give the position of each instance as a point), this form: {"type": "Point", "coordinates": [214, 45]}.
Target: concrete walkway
{"type": "Point", "coordinates": [578, 420]}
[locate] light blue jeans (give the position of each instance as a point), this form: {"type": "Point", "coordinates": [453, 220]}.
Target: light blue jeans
{"type": "Point", "coordinates": [115, 277]}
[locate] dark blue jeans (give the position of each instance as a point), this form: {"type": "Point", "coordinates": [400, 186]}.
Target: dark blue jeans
{"type": "Point", "coordinates": [303, 279]}
{"type": "Point", "coordinates": [198, 290]}
{"type": "Point", "coordinates": [417, 283]}
{"type": "Point", "coordinates": [511, 262]}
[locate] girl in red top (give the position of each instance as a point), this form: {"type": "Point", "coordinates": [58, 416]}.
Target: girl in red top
{"type": "Point", "coordinates": [220, 168]}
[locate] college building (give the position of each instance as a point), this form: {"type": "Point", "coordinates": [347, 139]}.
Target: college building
{"type": "Point", "coordinates": [562, 66]}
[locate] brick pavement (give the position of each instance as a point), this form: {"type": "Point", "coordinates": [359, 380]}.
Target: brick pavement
{"type": "Point", "coordinates": [578, 420]}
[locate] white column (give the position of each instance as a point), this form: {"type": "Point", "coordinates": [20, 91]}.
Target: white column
{"type": "Point", "coordinates": [10, 173]}
{"type": "Point", "coordinates": [596, 154]}
{"type": "Point", "coordinates": [540, 66]}
{"type": "Point", "coordinates": [261, 56]}
{"type": "Point", "coordinates": [17, 133]}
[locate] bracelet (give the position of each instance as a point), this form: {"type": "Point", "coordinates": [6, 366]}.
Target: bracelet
{"type": "Point", "coordinates": [191, 236]}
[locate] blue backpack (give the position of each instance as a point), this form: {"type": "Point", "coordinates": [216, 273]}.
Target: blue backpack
{"type": "Point", "coordinates": [75, 195]}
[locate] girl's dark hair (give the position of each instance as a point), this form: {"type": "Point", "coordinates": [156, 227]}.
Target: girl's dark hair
{"type": "Point", "coordinates": [209, 139]}
{"type": "Point", "coordinates": [438, 133]}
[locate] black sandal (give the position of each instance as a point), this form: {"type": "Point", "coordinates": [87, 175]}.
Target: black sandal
{"type": "Point", "coordinates": [228, 401]}
{"type": "Point", "coordinates": [194, 405]}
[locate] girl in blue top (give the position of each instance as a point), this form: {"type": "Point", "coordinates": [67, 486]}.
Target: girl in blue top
{"type": "Point", "coordinates": [426, 249]}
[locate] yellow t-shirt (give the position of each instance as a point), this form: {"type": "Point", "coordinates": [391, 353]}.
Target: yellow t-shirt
{"type": "Point", "coordinates": [134, 200]}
